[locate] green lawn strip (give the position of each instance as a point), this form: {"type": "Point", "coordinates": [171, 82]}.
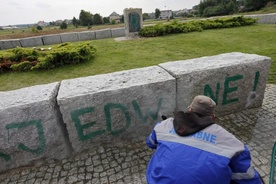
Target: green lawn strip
{"type": "Point", "coordinates": [112, 56]}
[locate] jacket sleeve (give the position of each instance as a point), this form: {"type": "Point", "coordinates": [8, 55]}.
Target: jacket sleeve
{"type": "Point", "coordinates": [151, 140]}
{"type": "Point", "coordinates": [242, 171]}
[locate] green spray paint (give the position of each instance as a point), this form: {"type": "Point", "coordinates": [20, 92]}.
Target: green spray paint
{"type": "Point", "coordinates": [37, 123]}
{"type": "Point", "coordinates": [80, 128]}
{"type": "Point", "coordinates": [149, 113]}
{"type": "Point", "coordinates": [209, 92]}
{"type": "Point", "coordinates": [256, 81]}
{"type": "Point", "coordinates": [228, 89]}
{"type": "Point", "coordinates": [5, 156]}
{"type": "Point", "coordinates": [107, 108]}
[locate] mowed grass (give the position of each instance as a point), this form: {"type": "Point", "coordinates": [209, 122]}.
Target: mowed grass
{"type": "Point", "coordinates": [115, 56]}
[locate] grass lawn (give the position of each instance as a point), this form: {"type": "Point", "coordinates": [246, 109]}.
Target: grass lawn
{"type": "Point", "coordinates": [114, 55]}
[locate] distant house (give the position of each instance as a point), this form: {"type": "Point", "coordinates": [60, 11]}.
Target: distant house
{"type": "Point", "coordinates": [42, 23]}
{"type": "Point", "coordinates": [115, 16]}
{"type": "Point", "coordinates": [68, 21]}
{"type": "Point", "coordinates": [58, 22]}
{"type": "Point", "coordinates": [165, 14]}
{"type": "Point", "coordinates": [181, 12]}
{"type": "Point", "coordinates": [8, 27]}
{"type": "Point", "coordinates": [151, 15]}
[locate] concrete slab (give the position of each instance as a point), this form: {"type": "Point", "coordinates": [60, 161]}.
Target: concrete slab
{"type": "Point", "coordinates": [9, 44]}
{"type": "Point", "coordinates": [115, 106]}
{"type": "Point", "coordinates": [51, 39]}
{"type": "Point", "coordinates": [31, 41]}
{"type": "Point", "coordinates": [86, 35]}
{"type": "Point", "coordinates": [104, 33]}
{"type": "Point", "coordinates": [118, 32]}
{"type": "Point", "coordinates": [235, 81]}
{"type": "Point", "coordinates": [29, 126]}
{"type": "Point", "coordinates": [264, 18]}
{"type": "Point", "coordinates": [69, 37]}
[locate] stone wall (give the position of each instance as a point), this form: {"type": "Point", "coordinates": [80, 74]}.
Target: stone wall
{"type": "Point", "coordinates": [55, 120]}
{"type": "Point", "coordinates": [61, 38]}
{"type": "Point", "coordinates": [264, 18]}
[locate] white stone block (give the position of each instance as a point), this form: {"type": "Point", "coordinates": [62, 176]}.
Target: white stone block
{"type": "Point", "coordinates": [105, 108]}
{"type": "Point", "coordinates": [30, 128]}
{"type": "Point", "coordinates": [235, 81]}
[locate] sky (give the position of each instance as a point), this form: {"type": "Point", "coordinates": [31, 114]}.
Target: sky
{"type": "Point", "coordinates": [14, 12]}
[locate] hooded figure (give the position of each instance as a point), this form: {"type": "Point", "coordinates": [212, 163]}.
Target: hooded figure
{"type": "Point", "coordinates": [192, 149]}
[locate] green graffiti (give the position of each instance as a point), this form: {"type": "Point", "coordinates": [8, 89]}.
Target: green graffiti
{"type": "Point", "coordinates": [209, 92]}
{"type": "Point", "coordinates": [228, 89]}
{"type": "Point", "coordinates": [37, 123]}
{"type": "Point", "coordinates": [149, 113]}
{"type": "Point", "coordinates": [75, 117]}
{"type": "Point", "coordinates": [107, 109]}
{"type": "Point", "coordinates": [256, 81]}
{"type": "Point", "coordinates": [134, 20]}
{"type": "Point", "coordinates": [5, 156]}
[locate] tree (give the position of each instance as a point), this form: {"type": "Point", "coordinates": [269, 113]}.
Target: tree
{"type": "Point", "coordinates": [106, 20]}
{"type": "Point", "coordinates": [254, 5]}
{"type": "Point", "coordinates": [63, 25]}
{"type": "Point", "coordinates": [39, 28]}
{"type": "Point", "coordinates": [209, 8]}
{"type": "Point", "coordinates": [75, 22]}
{"type": "Point", "coordinates": [157, 13]}
{"type": "Point", "coordinates": [146, 16]}
{"type": "Point", "coordinates": [85, 18]}
{"type": "Point", "coordinates": [97, 19]}
{"type": "Point", "coordinates": [205, 4]}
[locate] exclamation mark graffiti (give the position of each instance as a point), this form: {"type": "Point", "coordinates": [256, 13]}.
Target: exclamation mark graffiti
{"type": "Point", "coordinates": [256, 81]}
{"type": "Point", "coordinates": [252, 95]}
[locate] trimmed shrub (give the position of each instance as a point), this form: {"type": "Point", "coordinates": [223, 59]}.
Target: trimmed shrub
{"type": "Point", "coordinates": [24, 59]}
{"type": "Point", "coordinates": [23, 66]}
{"type": "Point", "coordinates": [198, 25]}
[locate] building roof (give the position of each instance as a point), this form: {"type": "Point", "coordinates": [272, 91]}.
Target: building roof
{"type": "Point", "coordinates": [114, 14]}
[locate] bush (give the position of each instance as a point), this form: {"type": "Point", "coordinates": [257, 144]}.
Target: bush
{"type": "Point", "coordinates": [200, 25]}
{"type": "Point", "coordinates": [39, 28]}
{"type": "Point", "coordinates": [23, 66]}
{"type": "Point", "coordinates": [63, 25]}
{"type": "Point", "coordinates": [24, 59]}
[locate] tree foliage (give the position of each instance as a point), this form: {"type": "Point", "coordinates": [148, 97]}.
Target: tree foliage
{"type": "Point", "coordinates": [157, 13]}
{"type": "Point", "coordinates": [97, 19]}
{"type": "Point", "coordinates": [39, 28]}
{"type": "Point", "coordinates": [106, 20]}
{"type": "Point", "coordinates": [254, 5]}
{"type": "Point", "coordinates": [63, 25]}
{"type": "Point", "coordinates": [85, 18]}
{"type": "Point", "coordinates": [146, 16]}
{"type": "Point", "coordinates": [75, 22]}
{"type": "Point", "coordinates": [209, 8]}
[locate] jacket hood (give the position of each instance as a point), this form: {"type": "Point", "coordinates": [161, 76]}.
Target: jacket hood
{"type": "Point", "coordinates": [189, 122]}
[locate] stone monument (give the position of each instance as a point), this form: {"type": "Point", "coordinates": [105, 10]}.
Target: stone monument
{"type": "Point", "coordinates": [133, 21]}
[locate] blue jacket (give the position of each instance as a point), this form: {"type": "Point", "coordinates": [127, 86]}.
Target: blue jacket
{"type": "Point", "coordinates": [209, 156]}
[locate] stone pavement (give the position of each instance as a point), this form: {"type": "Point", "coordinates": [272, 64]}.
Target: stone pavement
{"type": "Point", "coordinates": [126, 161]}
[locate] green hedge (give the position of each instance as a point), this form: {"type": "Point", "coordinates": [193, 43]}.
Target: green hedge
{"type": "Point", "coordinates": [25, 59]}
{"type": "Point", "coordinates": [196, 25]}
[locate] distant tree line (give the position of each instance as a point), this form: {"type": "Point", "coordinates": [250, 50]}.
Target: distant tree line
{"type": "Point", "coordinates": [207, 8]}
{"type": "Point", "coordinates": [88, 19]}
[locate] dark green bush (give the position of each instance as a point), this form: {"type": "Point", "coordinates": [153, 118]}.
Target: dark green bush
{"type": "Point", "coordinates": [199, 25]}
